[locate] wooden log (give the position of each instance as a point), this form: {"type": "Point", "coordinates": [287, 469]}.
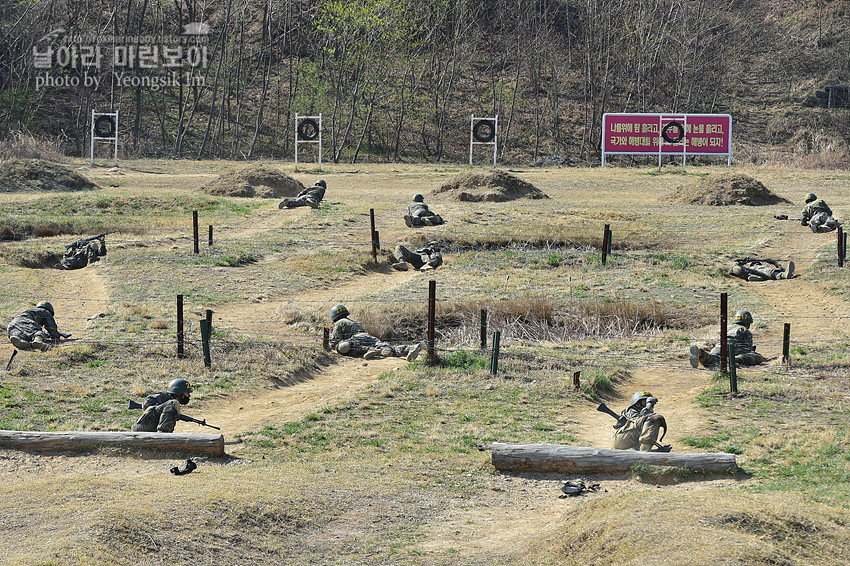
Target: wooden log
{"type": "Point", "coordinates": [573, 459]}
{"type": "Point", "coordinates": [212, 444]}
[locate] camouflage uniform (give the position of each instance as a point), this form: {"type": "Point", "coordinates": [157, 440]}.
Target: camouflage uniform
{"type": "Point", "coordinates": [77, 257]}
{"type": "Point", "coordinates": [745, 353]}
{"type": "Point", "coordinates": [750, 269]}
{"type": "Point", "coordinates": [419, 215]}
{"type": "Point", "coordinates": [33, 329]}
{"type": "Point", "coordinates": [359, 341]}
{"type": "Point", "coordinates": [308, 197]}
{"type": "Point", "coordinates": [429, 256]}
{"type": "Point", "coordinates": [640, 431]}
{"type": "Point", "coordinates": [160, 413]}
{"type": "Point", "coordinates": [818, 216]}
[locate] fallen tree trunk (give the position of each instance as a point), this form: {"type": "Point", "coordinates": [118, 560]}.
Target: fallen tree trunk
{"type": "Point", "coordinates": [572, 459]}
{"type": "Point", "coordinates": [212, 444]}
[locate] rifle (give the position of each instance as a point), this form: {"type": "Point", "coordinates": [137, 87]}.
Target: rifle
{"type": "Point", "coordinates": [621, 420]}
{"type": "Point", "coordinates": [83, 241]}
{"type": "Point", "coordinates": [184, 418]}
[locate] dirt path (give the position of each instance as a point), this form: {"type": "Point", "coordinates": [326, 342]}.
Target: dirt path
{"type": "Point", "coordinates": [336, 383]}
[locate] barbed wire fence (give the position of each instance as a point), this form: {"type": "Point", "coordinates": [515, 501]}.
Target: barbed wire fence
{"type": "Point", "coordinates": [224, 334]}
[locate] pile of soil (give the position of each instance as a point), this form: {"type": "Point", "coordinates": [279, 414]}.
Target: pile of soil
{"type": "Point", "coordinates": [727, 189]}
{"type": "Point", "coordinates": [254, 181]}
{"type": "Point", "coordinates": [28, 175]}
{"type": "Point", "coordinates": [489, 185]}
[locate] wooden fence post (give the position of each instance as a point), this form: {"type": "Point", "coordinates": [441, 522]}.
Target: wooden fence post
{"type": "Point", "coordinates": [180, 353]}
{"type": "Point", "coordinates": [576, 380]}
{"type": "Point", "coordinates": [786, 344]}
{"type": "Point", "coordinates": [205, 342]}
{"type": "Point", "coordinates": [210, 236]}
{"type": "Point", "coordinates": [195, 230]}
{"type": "Point", "coordinates": [606, 234]}
{"type": "Point", "coordinates": [372, 233]}
{"type": "Point", "coordinates": [432, 316]}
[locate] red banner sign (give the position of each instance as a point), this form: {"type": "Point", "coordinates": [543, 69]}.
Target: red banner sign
{"type": "Point", "coordinates": [701, 134]}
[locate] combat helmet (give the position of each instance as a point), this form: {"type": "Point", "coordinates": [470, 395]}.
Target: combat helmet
{"type": "Point", "coordinates": [640, 395]}
{"type": "Point", "coordinates": [418, 198]}
{"type": "Point", "coordinates": [179, 386]}
{"type": "Point", "coordinates": [321, 183]}
{"type": "Point", "coordinates": [810, 197]}
{"type": "Point", "coordinates": [743, 317]}
{"type": "Point", "coordinates": [46, 306]}
{"type": "Point", "coordinates": [338, 312]}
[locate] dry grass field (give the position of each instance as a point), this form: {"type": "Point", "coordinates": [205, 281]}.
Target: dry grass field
{"type": "Point", "coordinates": [333, 460]}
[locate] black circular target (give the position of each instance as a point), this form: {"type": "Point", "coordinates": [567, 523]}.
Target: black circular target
{"type": "Point", "coordinates": [674, 138]}
{"type": "Point", "coordinates": [484, 131]}
{"type": "Point", "coordinates": [308, 129]}
{"type": "Point", "coordinates": [104, 127]}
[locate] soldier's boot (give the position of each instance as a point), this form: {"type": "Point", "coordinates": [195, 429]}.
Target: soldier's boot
{"type": "Point", "coordinates": [313, 203]}
{"type": "Point", "coordinates": [695, 352]}
{"type": "Point", "coordinates": [705, 359]}
{"type": "Point", "coordinates": [400, 266]}
{"type": "Point", "coordinates": [408, 220]}
{"type": "Point", "coordinates": [790, 272]}
{"type": "Point", "coordinates": [20, 344]}
{"type": "Point", "coordinates": [372, 354]}
{"type": "Point", "coordinates": [38, 342]}
{"type": "Point", "coordinates": [413, 353]}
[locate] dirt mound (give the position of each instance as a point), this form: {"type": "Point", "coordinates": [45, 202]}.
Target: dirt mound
{"type": "Point", "coordinates": [27, 175]}
{"type": "Point", "coordinates": [489, 185]}
{"type": "Point", "coordinates": [254, 181]}
{"type": "Point", "coordinates": [727, 189]}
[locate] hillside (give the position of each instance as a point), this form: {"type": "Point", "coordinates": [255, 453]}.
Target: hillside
{"type": "Point", "coordinates": [398, 81]}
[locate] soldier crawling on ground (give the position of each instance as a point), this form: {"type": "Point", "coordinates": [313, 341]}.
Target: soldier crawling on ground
{"type": "Point", "coordinates": [751, 269]}
{"type": "Point", "coordinates": [83, 252]}
{"type": "Point", "coordinates": [424, 259]}
{"type": "Point", "coordinates": [737, 334]}
{"type": "Point", "coordinates": [310, 196]}
{"type": "Point", "coordinates": [639, 425]}
{"type": "Point", "coordinates": [350, 339]}
{"type": "Point", "coordinates": [817, 215]}
{"type": "Point", "coordinates": [418, 214]}
{"type": "Point", "coordinates": [35, 329]}
{"type": "Point", "coordinates": [162, 410]}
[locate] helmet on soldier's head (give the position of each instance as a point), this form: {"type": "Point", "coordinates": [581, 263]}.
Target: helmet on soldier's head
{"type": "Point", "coordinates": [810, 197]}
{"type": "Point", "coordinates": [46, 306]}
{"type": "Point", "coordinates": [321, 183]}
{"type": "Point", "coordinates": [338, 312]}
{"type": "Point", "coordinates": [640, 395]}
{"type": "Point", "coordinates": [743, 317]}
{"type": "Point", "coordinates": [418, 198]}
{"type": "Point", "coordinates": [179, 386]}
